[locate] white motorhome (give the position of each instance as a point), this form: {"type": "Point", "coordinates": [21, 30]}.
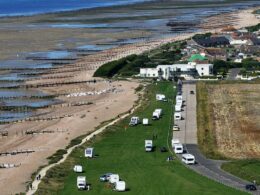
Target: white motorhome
{"type": "Point", "coordinates": [177, 116]}
{"type": "Point", "coordinates": [113, 178]}
{"type": "Point", "coordinates": [148, 145]}
{"type": "Point", "coordinates": [81, 182]}
{"type": "Point", "coordinates": [178, 98]}
{"type": "Point", "coordinates": [188, 159]}
{"type": "Point", "coordinates": [178, 148]}
{"type": "Point", "coordinates": [175, 141]}
{"type": "Point", "coordinates": [120, 186]}
{"type": "Point", "coordinates": [89, 152]}
{"type": "Point", "coordinates": [78, 169]}
{"type": "Point", "coordinates": [157, 114]}
{"type": "Point", "coordinates": [160, 97]}
{"type": "Point", "coordinates": [134, 121]}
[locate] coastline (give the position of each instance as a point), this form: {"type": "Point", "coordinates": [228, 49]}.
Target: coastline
{"type": "Point", "coordinates": [86, 67]}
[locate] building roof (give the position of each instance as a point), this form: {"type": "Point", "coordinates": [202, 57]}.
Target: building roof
{"type": "Point", "coordinates": [197, 57]}
{"type": "Point", "coordinates": [255, 41]}
{"type": "Point", "coordinates": [212, 41]}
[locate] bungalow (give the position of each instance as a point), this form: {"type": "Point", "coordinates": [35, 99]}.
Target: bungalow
{"type": "Point", "coordinates": [216, 53]}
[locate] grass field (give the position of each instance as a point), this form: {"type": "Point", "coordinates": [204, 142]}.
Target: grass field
{"type": "Point", "coordinates": [121, 150]}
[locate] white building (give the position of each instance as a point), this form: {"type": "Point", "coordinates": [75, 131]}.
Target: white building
{"type": "Point", "coordinates": [186, 70]}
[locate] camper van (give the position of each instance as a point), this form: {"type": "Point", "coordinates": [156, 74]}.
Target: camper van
{"type": "Point", "coordinates": [134, 121]}
{"type": "Point", "coordinates": [175, 141]}
{"type": "Point", "coordinates": [148, 145]}
{"type": "Point", "coordinates": [178, 148]}
{"type": "Point", "coordinates": [120, 186]}
{"type": "Point", "coordinates": [178, 98]}
{"type": "Point", "coordinates": [188, 159]}
{"type": "Point", "coordinates": [145, 121]}
{"type": "Point", "coordinates": [177, 116]}
{"type": "Point", "coordinates": [78, 169]}
{"type": "Point", "coordinates": [113, 178]}
{"type": "Point", "coordinates": [157, 114]}
{"type": "Point", "coordinates": [81, 182]}
{"type": "Point", "coordinates": [89, 152]}
{"type": "Point", "coordinates": [160, 97]}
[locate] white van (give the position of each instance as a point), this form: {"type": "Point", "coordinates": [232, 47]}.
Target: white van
{"type": "Point", "coordinates": [78, 169]}
{"type": "Point", "coordinates": [177, 116]}
{"type": "Point", "coordinates": [120, 186]}
{"type": "Point", "coordinates": [178, 108]}
{"type": "Point", "coordinates": [113, 178]}
{"type": "Point", "coordinates": [157, 114]}
{"type": "Point", "coordinates": [178, 148]}
{"type": "Point", "coordinates": [89, 152]}
{"type": "Point", "coordinates": [81, 182]}
{"type": "Point", "coordinates": [188, 159]}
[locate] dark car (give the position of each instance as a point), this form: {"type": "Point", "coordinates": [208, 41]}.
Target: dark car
{"type": "Point", "coordinates": [163, 149]}
{"type": "Point", "coordinates": [191, 92]}
{"type": "Point", "coordinates": [251, 187]}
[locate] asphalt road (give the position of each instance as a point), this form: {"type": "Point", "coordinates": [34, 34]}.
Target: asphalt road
{"type": "Point", "coordinates": [188, 137]}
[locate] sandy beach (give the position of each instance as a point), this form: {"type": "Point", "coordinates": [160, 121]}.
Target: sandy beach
{"type": "Point", "coordinates": [85, 105]}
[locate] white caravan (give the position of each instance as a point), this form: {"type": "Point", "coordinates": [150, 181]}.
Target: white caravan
{"type": "Point", "coordinates": [178, 98]}
{"type": "Point", "coordinates": [89, 152]}
{"type": "Point", "coordinates": [188, 159]}
{"type": "Point", "coordinates": [120, 186]}
{"type": "Point", "coordinates": [113, 178]}
{"type": "Point", "coordinates": [78, 169]}
{"type": "Point", "coordinates": [145, 121]}
{"type": "Point", "coordinates": [177, 116]}
{"type": "Point", "coordinates": [148, 145]}
{"type": "Point", "coordinates": [157, 114]}
{"type": "Point", "coordinates": [160, 97]}
{"type": "Point", "coordinates": [178, 148]}
{"type": "Point", "coordinates": [134, 121]}
{"type": "Point", "coordinates": [81, 182]}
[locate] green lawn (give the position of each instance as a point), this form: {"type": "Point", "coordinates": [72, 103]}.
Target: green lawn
{"type": "Point", "coordinates": [122, 151]}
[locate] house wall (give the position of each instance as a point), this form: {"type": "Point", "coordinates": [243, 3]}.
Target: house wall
{"type": "Point", "coordinates": [149, 72]}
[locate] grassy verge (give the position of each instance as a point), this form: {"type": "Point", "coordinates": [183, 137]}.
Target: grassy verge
{"type": "Point", "coordinates": [246, 169]}
{"type": "Point", "coordinates": [120, 149]}
{"type": "Point", "coordinates": [206, 135]}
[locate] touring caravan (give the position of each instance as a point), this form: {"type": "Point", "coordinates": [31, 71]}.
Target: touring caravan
{"type": "Point", "coordinates": [89, 152]}
{"type": "Point", "coordinates": [78, 169]}
{"type": "Point", "coordinates": [157, 114]}
{"type": "Point", "coordinates": [120, 186]}
{"type": "Point", "coordinates": [145, 121]}
{"type": "Point", "coordinates": [178, 107]}
{"type": "Point", "coordinates": [188, 159]}
{"type": "Point", "coordinates": [175, 141]}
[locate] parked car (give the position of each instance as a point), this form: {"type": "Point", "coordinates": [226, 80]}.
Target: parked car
{"type": "Point", "coordinates": [192, 92]}
{"type": "Point", "coordinates": [105, 177]}
{"type": "Point", "coordinates": [251, 187]}
{"type": "Point", "coordinates": [176, 128]}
